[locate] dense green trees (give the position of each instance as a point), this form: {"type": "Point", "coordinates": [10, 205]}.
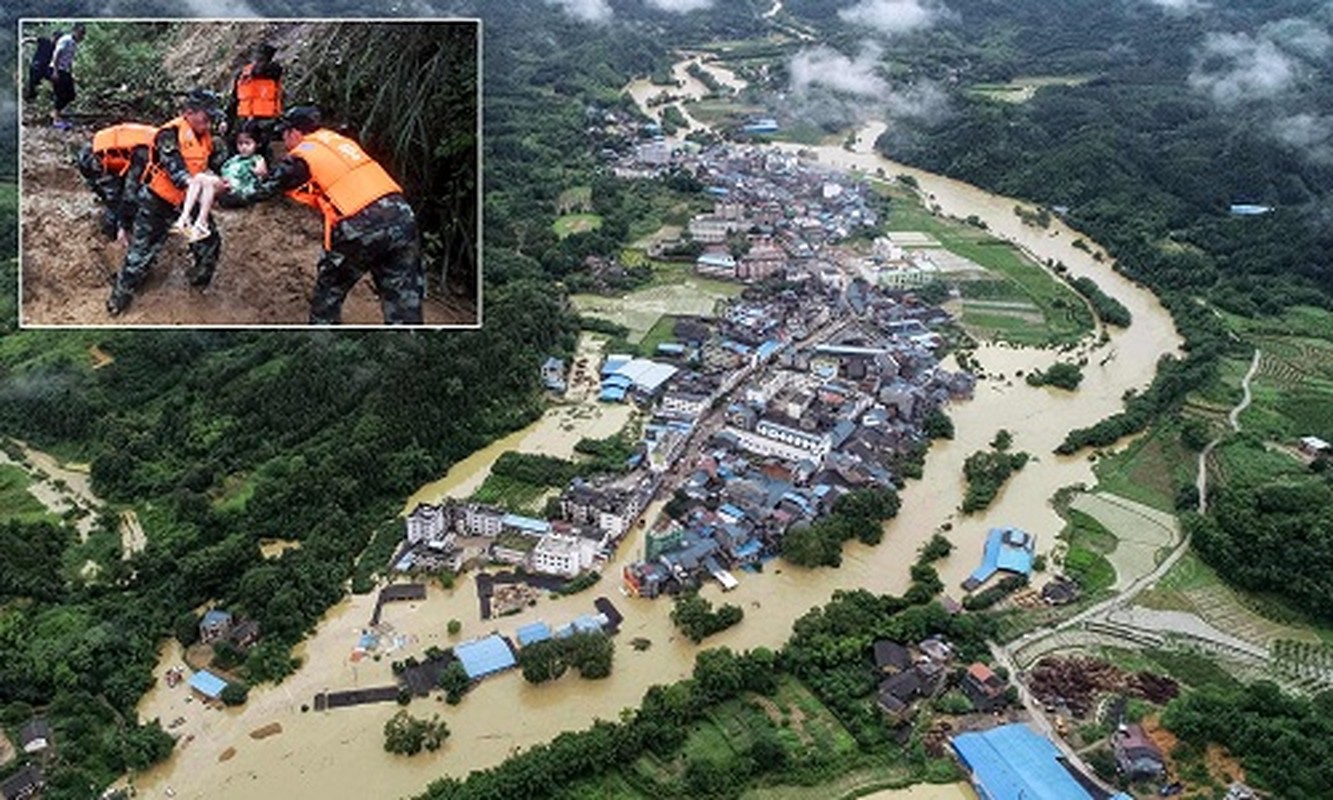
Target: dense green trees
{"type": "Point", "coordinates": [860, 515]}
{"type": "Point", "coordinates": [406, 735]}
{"type": "Point", "coordinates": [1275, 537]}
{"type": "Point", "coordinates": [1285, 743]}
{"type": "Point", "coordinates": [1061, 374]}
{"type": "Point", "coordinates": [986, 471]}
{"type": "Point", "coordinates": [694, 616]}
{"type": "Point", "coordinates": [589, 653]}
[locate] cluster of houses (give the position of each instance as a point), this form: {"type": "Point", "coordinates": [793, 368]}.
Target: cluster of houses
{"type": "Point", "coordinates": [35, 740]}
{"type": "Point", "coordinates": [594, 514]}
{"type": "Point", "coordinates": [818, 389]}
{"type": "Point", "coordinates": [913, 673]}
{"type": "Point", "coordinates": [773, 212]}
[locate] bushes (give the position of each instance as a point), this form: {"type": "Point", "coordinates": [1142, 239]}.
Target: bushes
{"type": "Point", "coordinates": [694, 616]}
{"type": "Point", "coordinates": [859, 515]}
{"type": "Point", "coordinates": [406, 735]}
{"type": "Point", "coordinates": [589, 653]}
{"type": "Point", "coordinates": [1061, 375]}
{"type": "Point", "coordinates": [986, 473]}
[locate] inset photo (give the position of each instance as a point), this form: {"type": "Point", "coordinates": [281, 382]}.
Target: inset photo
{"type": "Point", "coordinates": [237, 173]}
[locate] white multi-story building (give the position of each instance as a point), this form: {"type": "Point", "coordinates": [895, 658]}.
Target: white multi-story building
{"type": "Point", "coordinates": [426, 523]}
{"type": "Point", "coordinates": [684, 405]}
{"type": "Point", "coordinates": [563, 555]}
{"type": "Point", "coordinates": [481, 520]}
{"type": "Point", "coordinates": [814, 444]}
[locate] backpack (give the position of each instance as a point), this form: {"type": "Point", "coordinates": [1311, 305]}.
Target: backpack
{"type": "Point", "coordinates": [46, 49]}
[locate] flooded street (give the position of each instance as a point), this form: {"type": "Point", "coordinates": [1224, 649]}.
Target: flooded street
{"type": "Point", "coordinates": [339, 753]}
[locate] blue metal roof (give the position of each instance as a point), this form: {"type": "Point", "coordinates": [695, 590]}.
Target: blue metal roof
{"type": "Point", "coordinates": [614, 362]}
{"type": "Point", "coordinates": [1008, 549]}
{"type": "Point", "coordinates": [215, 616]}
{"type": "Point", "coordinates": [675, 348]}
{"type": "Point", "coordinates": [750, 548]}
{"type": "Point", "coordinates": [482, 657]}
{"type": "Point", "coordinates": [1013, 762]}
{"type": "Point", "coordinates": [207, 684]}
{"type": "Point", "coordinates": [612, 394]}
{"type": "Point", "coordinates": [533, 632]}
{"type": "Point", "coordinates": [526, 524]}
{"type": "Point", "coordinates": [767, 349]}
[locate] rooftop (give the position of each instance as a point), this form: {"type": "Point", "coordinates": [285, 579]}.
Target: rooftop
{"type": "Point", "coordinates": [1013, 762]}
{"type": "Point", "coordinates": [207, 684]}
{"type": "Point", "coordinates": [482, 657]}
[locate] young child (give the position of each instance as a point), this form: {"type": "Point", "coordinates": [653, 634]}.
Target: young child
{"type": "Point", "coordinates": [240, 175]}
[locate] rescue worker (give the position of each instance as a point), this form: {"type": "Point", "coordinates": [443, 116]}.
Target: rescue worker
{"type": "Point", "coordinates": [112, 165]}
{"type": "Point", "coordinates": [181, 148]}
{"type": "Point", "coordinates": [368, 224]}
{"type": "Point", "coordinates": [256, 94]}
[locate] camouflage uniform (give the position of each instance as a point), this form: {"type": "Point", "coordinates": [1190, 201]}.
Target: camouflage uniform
{"type": "Point", "coordinates": [152, 225]}
{"type": "Point", "coordinates": [381, 238]}
{"type": "Point", "coordinates": [119, 194]}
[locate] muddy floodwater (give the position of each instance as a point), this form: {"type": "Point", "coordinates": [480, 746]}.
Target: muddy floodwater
{"type": "Point", "coordinates": [339, 754]}
{"type": "Point", "coordinates": [926, 791]}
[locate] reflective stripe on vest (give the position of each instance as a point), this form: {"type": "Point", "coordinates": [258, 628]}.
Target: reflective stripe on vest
{"type": "Point", "coordinates": [257, 96]}
{"type": "Point", "coordinates": [343, 179]}
{"type": "Point", "coordinates": [194, 149]}
{"type": "Point", "coordinates": [114, 145]}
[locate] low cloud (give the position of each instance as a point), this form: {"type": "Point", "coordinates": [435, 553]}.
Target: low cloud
{"type": "Point", "coordinates": [1310, 134]}
{"type": "Point", "coordinates": [834, 91]}
{"type": "Point", "coordinates": [1179, 6]}
{"type": "Point", "coordinates": [826, 67]}
{"type": "Point", "coordinates": [584, 10]}
{"type": "Point", "coordinates": [1237, 67]}
{"type": "Point", "coordinates": [893, 16]}
{"type": "Point", "coordinates": [680, 6]}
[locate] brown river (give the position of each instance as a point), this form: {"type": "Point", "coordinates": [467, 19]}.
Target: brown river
{"type": "Point", "coordinates": [339, 754]}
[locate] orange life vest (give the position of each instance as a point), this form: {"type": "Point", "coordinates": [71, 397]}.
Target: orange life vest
{"type": "Point", "coordinates": [114, 145]}
{"type": "Point", "coordinates": [343, 179]}
{"type": "Point", "coordinates": [257, 96]}
{"type": "Point", "coordinates": [194, 149]}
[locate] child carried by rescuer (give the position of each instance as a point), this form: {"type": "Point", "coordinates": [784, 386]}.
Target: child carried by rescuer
{"type": "Point", "coordinates": [240, 175]}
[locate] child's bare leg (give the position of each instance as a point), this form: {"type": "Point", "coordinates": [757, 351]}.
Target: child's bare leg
{"type": "Point", "coordinates": [208, 190]}
{"type": "Point", "coordinates": [191, 198]}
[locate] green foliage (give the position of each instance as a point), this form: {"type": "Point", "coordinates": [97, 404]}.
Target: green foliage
{"type": "Point", "coordinates": [937, 424]}
{"type": "Point", "coordinates": [694, 616]}
{"type": "Point", "coordinates": [938, 547]}
{"type": "Point", "coordinates": [589, 653]}
{"type": "Point", "coordinates": [1061, 374]}
{"type": "Point", "coordinates": [986, 473]}
{"type": "Point", "coordinates": [953, 702]}
{"type": "Point", "coordinates": [455, 682]}
{"type": "Point", "coordinates": [989, 597]}
{"type": "Point", "coordinates": [585, 581]}
{"type": "Point", "coordinates": [30, 551]}
{"type": "Point", "coordinates": [1111, 310]}
{"type": "Point", "coordinates": [406, 735]}
{"type": "Point", "coordinates": [455, 627]}
{"type": "Point", "coordinates": [1275, 536]}
{"type": "Point", "coordinates": [1282, 741]}
{"type": "Point", "coordinates": [860, 514]}
{"type": "Point", "coordinates": [235, 694]}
